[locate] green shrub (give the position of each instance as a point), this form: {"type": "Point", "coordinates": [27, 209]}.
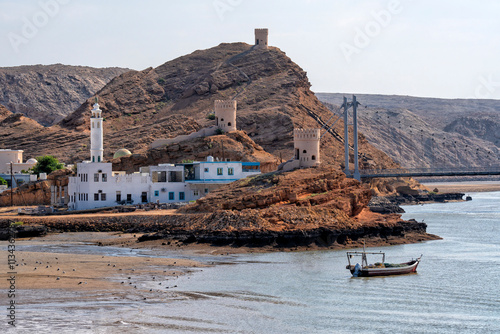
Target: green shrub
{"type": "Point", "coordinates": [46, 164]}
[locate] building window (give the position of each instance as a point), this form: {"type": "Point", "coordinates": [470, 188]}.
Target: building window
{"type": "Point", "coordinates": [228, 123]}
{"type": "Point", "coordinates": [129, 198]}
{"type": "Point", "coordinates": [196, 193]}
{"type": "Point", "coordinates": [313, 157]}
{"type": "Point", "coordinates": [104, 177]}
{"type": "Point", "coordinates": [230, 171]}
{"type": "Point", "coordinates": [304, 151]}
{"type": "Point", "coordinates": [171, 196]}
{"type": "Point", "coordinates": [118, 196]}
{"type": "Point", "coordinates": [99, 158]}
{"type": "Point", "coordinates": [103, 197]}
{"type": "Point", "coordinates": [219, 171]}
{"type": "Point", "coordinates": [144, 197]}
{"type": "Point", "coordinates": [93, 158]}
{"type": "Point", "coordinates": [96, 177]}
{"type": "Point", "coordinates": [96, 197]}
{"type": "Point", "coordinates": [206, 170]}
{"type": "Point", "coordinates": [181, 196]}
{"type": "Point", "coordinates": [206, 190]}
{"type": "Point", "coordinates": [157, 193]}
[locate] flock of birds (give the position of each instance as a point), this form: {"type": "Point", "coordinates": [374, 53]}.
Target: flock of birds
{"type": "Point", "coordinates": [39, 264]}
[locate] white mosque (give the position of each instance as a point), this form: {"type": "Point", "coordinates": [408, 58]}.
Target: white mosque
{"type": "Point", "coordinates": [97, 185]}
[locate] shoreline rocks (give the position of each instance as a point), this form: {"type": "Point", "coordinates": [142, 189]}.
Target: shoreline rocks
{"type": "Point", "coordinates": [391, 204]}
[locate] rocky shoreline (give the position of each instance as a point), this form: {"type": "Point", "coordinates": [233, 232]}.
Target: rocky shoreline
{"type": "Point", "coordinates": [173, 228]}
{"type": "Point", "coordinates": [321, 237]}
{"type": "Point", "coordinates": [306, 207]}
{"type": "Point", "coordinates": [391, 204]}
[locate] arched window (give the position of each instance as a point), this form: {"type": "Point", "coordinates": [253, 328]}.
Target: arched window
{"type": "Point", "coordinates": [228, 123]}
{"type": "Point", "coordinates": [304, 151]}
{"type": "Point", "coordinates": [222, 119]}
{"type": "Point", "coordinates": [313, 157]}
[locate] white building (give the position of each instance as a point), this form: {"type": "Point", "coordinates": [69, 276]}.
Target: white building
{"type": "Point", "coordinates": [96, 185]}
{"type": "Point", "coordinates": [16, 158]}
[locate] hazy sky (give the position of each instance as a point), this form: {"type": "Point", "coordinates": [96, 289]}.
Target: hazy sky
{"type": "Point", "coordinates": [438, 48]}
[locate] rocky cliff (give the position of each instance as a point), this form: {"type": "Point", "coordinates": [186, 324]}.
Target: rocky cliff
{"type": "Point", "coordinates": [35, 193]}
{"type": "Point", "coordinates": [48, 93]}
{"type": "Point", "coordinates": [315, 206]}
{"type": "Point", "coordinates": [484, 127]}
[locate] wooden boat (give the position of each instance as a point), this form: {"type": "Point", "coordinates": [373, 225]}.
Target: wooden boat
{"type": "Point", "coordinates": [379, 268]}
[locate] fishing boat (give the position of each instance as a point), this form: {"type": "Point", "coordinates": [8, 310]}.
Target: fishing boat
{"type": "Point", "coordinates": [379, 268]}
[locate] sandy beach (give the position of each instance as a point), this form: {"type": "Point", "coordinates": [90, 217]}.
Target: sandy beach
{"type": "Point", "coordinates": [74, 271]}
{"type": "Point", "coordinates": [464, 187]}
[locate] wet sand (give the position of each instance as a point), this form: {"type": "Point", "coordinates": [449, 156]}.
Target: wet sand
{"type": "Point", "coordinates": [73, 271]}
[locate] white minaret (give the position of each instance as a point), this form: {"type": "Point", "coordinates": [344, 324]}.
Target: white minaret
{"type": "Point", "coordinates": [96, 142]}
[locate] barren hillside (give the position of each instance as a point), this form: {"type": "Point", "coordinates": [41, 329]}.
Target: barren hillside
{"type": "Point", "coordinates": [420, 132]}
{"type": "Point", "coordinates": [48, 93]}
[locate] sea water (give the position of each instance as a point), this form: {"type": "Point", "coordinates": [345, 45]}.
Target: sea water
{"type": "Point", "coordinates": [456, 289]}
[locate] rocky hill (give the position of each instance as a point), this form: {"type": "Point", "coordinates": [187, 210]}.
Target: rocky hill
{"type": "Point", "coordinates": [48, 93]}
{"type": "Point", "coordinates": [235, 146]}
{"type": "Point", "coordinates": [272, 92]}
{"type": "Point", "coordinates": [421, 132]}
{"type": "Point", "coordinates": [484, 127]}
{"type": "Point", "coordinates": [307, 207]}
{"type": "Point", "coordinates": [4, 113]}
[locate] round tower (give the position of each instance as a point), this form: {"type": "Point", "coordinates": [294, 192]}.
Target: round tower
{"type": "Point", "coordinates": [306, 144]}
{"type": "Point", "coordinates": [225, 115]}
{"type": "Point", "coordinates": [96, 141]}
{"type": "Point", "coordinates": [261, 38]}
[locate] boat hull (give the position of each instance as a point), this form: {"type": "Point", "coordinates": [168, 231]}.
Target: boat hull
{"type": "Point", "coordinates": [406, 268]}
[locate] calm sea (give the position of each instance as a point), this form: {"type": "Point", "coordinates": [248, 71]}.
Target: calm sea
{"type": "Point", "coordinates": [456, 289]}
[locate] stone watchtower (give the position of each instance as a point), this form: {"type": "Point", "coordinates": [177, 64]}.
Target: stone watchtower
{"type": "Point", "coordinates": [261, 38]}
{"type": "Point", "coordinates": [225, 115]}
{"type": "Point", "coordinates": [96, 141]}
{"type": "Point", "coordinates": [306, 144]}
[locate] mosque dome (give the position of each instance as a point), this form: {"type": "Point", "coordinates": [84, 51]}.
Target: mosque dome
{"type": "Point", "coordinates": [123, 152]}
{"type": "Point", "coordinates": [31, 161]}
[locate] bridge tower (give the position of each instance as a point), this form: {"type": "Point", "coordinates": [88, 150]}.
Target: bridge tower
{"type": "Point", "coordinates": [346, 105]}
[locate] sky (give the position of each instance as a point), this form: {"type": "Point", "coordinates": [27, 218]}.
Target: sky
{"type": "Point", "coordinates": [427, 48]}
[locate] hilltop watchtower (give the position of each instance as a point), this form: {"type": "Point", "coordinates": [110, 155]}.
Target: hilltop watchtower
{"type": "Point", "coordinates": [306, 144]}
{"type": "Point", "coordinates": [225, 115]}
{"type": "Point", "coordinates": [261, 38]}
